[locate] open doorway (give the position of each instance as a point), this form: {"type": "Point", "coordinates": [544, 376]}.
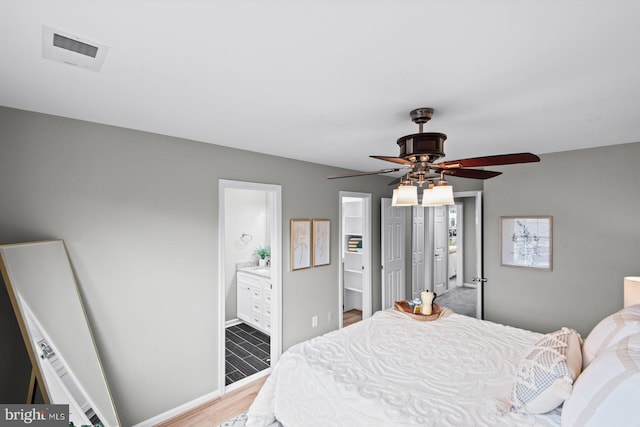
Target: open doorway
{"type": "Point", "coordinates": [464, 293]}
{"type": "Point", "coordinates": [355, 257]}
{"type": "Point", "coordinates": [249, 282]}
{"type": "Point", "coordinates": [447, 253]}
{"type": "Point", "coordinates": [429, 250]}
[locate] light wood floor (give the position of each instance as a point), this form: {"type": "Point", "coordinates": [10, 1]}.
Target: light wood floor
{"type": "Point", "coordinates": [219, 410]}
{"type": "Point", "coordinates": [350, 317]}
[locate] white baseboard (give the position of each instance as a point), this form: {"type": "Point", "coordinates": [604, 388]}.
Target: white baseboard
{"type": "Point", "coordinates": [179, 410]}
{"type": "Point", "coordinates": [470, 285]}
{"type": "Point", "coordinates": [247, 380]}
{"type": "Point", "coordinates": [165, 416]}
{"type": "Point", "coordinates": [232, 322]}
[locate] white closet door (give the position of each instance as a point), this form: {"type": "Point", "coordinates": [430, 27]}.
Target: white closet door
{"type": "Point", "coordinates": [392, 243]}
{"type": "Point", "coordinates": [418, 254]}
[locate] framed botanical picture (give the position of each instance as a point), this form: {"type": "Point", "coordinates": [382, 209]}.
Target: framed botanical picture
{"type": "Point", "coordinates": [321, 242]}
{"type": "Point", "coordinates": [526, 241]}
{"type": "Point", "coordinates": [300, 244]}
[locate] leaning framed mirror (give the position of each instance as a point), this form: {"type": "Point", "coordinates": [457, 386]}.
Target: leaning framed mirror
{"type": "Point", "coordinates": [53, 322]}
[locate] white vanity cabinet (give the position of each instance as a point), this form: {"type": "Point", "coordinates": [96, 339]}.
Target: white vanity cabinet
{"type": "Point", "coordinates": [254, 300]}
{"type": "Point", "coordinates": [243, 308]}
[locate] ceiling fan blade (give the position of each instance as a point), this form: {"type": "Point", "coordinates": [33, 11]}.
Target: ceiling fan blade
{"type": "Point", "coordinates": [349, 175]}
{"type": "Point", "coordinates": [399, 160]}
{"type": "Point", "coordinates": [396, 181]}
{"type": "Point", "coordinates": [500, 159]}
{"type": "Point", "coordinates": [471, 173]}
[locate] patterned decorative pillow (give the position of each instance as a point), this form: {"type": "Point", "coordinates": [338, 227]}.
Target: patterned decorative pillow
{"type": "Point", "coordinates": [606, 393]}
{"type": "Point", "coordinates": [610, 331]}
{"type": "Point", "coordinates": [545, 375]}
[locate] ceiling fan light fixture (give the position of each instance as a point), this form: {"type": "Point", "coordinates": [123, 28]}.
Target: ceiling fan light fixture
{"type": "Point", "coordinates": [442, 193]}
{"type": "Point", "coordinates": [427, 196]}
{"type": "Point", "coordinates": [405, 195]}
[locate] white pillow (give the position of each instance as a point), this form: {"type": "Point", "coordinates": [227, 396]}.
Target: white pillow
{"type": "Point", "coordinates": [606, 393]}
{"type": "Point", "coordinates": [610, 331]}
{"type": "Point", "coordinates": [545, 375]}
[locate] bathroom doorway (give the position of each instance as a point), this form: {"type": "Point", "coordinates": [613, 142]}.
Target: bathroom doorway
{"type": "Point", "coordinates": [250, 281]}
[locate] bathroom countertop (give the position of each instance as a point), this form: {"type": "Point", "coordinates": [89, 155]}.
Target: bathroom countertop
{"type": "Point", "coordinates": [259, 271]}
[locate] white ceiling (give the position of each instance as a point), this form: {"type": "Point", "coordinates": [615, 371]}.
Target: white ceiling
{"type": "Point", "coordinates": [333, 81]}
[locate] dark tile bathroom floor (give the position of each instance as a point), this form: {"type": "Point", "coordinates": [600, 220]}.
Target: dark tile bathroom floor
{"type": "Point", "coordinates": [247, 352]}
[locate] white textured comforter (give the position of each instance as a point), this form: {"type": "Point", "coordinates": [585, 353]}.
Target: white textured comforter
{"type": "Point", "coordinates": [391, 370]}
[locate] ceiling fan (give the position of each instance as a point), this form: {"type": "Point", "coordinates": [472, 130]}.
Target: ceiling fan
{"type": "Point", "coordinates": [419, 151]}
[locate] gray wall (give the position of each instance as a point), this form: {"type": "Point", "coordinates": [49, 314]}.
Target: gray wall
{"type": "Point", "coordinates": [593, 196]}
{"type": "Point", "coordinates": [138, 213]}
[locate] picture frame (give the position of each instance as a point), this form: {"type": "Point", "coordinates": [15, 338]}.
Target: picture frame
{"type": "Point", "coordinates": [321, 242]}
{"type": "Point", "coordinates": [526, 241]}
{"type": "Point", "coordinates": [300, 230]}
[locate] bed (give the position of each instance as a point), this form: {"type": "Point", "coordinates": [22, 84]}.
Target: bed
{"type": "Point", "coordinates": [393, 370]}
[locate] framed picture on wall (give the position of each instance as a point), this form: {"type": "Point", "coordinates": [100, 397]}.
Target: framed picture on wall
{"type": "Point", "coordinates": [321, 242]}
{"type": "Point", "coordinates": [300, 244]}
{"type": "Point", "coordinates": [526, 241]}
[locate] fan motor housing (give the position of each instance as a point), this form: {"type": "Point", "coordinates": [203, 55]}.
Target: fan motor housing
{"type": "Point", "coordinates": [430, 144]}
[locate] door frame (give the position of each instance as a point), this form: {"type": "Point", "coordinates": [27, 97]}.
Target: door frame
{"type": "Point", "coordinates": [275, 190]}
{"type": "Point", "coordinates": [366, 259]}
{"type": "Point", "coordinates": [479, 247]}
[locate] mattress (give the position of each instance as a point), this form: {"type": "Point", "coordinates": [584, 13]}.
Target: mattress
{"type": "Point", "coordinates": [391, 370]}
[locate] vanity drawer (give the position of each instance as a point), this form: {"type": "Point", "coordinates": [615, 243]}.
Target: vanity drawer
{"type": "Point", "coordinates": [256, 305]}
{"type": "Point", "coordinates": [256, 317]}
{"type": "Point", "coordinates": [257, 320]}
{"type": "Point", "coordinates": [256, 292]}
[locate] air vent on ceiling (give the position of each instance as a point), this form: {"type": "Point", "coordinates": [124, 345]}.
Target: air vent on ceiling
{"type": "Point", "coordinates": [64, 47]}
